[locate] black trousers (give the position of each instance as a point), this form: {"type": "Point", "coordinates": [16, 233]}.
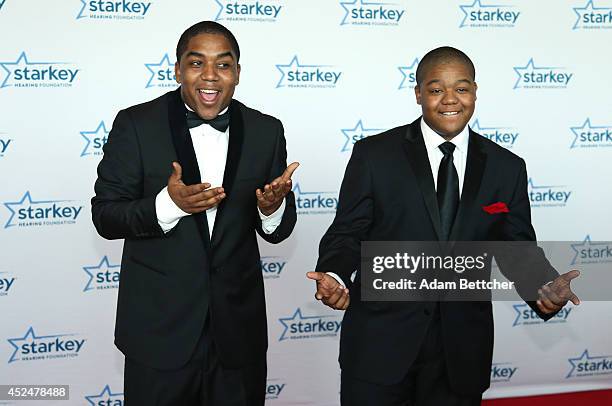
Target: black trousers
{"type": "Point", "coordinates": [203, 381]}
{"type": "Point", "coordinates": [426, 383]}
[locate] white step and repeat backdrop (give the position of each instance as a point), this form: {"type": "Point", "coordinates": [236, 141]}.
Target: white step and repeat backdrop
{"type": "Point", "coordinates": [333, 71]}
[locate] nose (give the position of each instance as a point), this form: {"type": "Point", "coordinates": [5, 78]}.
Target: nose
{"type": "Point", "coordinates": [449, 98]}
{"type": "Point", "coordinates": [209, 72]}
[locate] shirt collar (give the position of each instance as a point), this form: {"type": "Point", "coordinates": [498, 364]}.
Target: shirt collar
{"type": "Point", "coordinates": [221, 112]}
{"type": "Point", "coordinates": [433, 140]}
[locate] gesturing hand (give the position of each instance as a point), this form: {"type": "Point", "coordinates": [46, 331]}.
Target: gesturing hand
{"type": "Point", "coordinates": [193, 198]}
{"type": "Point", "coordinates": [329, 291]}
{"type": "Point", "coordinates": [273, 194]}
{"type": "Point", "coordinates": [556, 294]}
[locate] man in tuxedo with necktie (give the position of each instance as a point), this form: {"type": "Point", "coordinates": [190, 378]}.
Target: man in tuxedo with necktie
{"type": "Point", "coordinates": [427, 181]}
{"type": "Point", "coordinates": [187, 180]}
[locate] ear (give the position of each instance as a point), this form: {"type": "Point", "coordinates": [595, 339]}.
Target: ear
{"type": "Point", "coordinates": [177, 72]}
{"type": "Point", "coordinates": [237, 74]}
{"type": "Point", "coordinates": [475, 89]}
{"type": "Point", "coordinates": [417, 93]}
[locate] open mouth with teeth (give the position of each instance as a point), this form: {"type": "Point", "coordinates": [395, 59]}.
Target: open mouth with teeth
{"type": "Point", "coordinates": [208, 96]}
{"type": "Point", "coordinates": [449, 113]}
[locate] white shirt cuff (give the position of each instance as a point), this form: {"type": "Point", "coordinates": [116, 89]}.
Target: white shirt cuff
{"type": "Point", "coordinates": [168, 213]}
{"type": "Point", "coordinates": [269, 223]}
{"type": "Point", "coordinates": [336, 277]}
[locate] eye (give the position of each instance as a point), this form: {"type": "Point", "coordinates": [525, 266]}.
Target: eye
{"type": "Point", "coordinates": [223, 65]}
{"type": "Point", "coordinates": [462, 90]}
{"type": "Point", "coordinates": [195, 64]}
{"type": "Point", "coordinates": [435, 91]}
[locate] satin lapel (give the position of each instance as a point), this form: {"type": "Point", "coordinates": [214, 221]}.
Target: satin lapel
{"type": "Point", "coordinates": [186, 154]}
{"type": "Point", "coordinates": [234, 150]}
{"type": "Point", "coordinates": [474, 169]}
{"type": "Point", "coordinates": [419, 161]}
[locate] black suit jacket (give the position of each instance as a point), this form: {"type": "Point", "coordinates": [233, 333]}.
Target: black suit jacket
{"type": "Point", "coordinates": [170, 282]}
{"type": "Point", "coordinates": [388, 194]}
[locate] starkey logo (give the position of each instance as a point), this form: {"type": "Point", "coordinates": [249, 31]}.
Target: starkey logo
{"type": "Point", "coordinates": [371, 13]}
{"type": "Point", "coordinates": [315, 202]}
{"type": "Point", "coordinates": [274, 388]}
{"type": "Point", "coordinates": [113, 10]}
{"type": "Point", "coordinates": [300, 327]}
{"type": "Point", "coordinates": [32, 347]}
{"type": "Point", "coordinates": [591, 136]}
{"type": "Point", "coordinates": [24, 73]}
{"type": "Point", "coordinates": [548, 196]}
{"type": "Point", "coordinates": [504, 136]}
{"type": "Point", "coordinates": [94, 140]}
{"type": "Point", "coordinates": [35, 213]}
{"type": "Point", "coordinates": [532, 76]}
{"type": "Point", "coordinates": [592, 252]}
{"type": "Point", "coordinates": [102, 276]}
{"type": "Point", "coordinates": [106, 398]}
{"type": "Point", "coordinates": [249, 10]}
{"type": "Point", "coordinates": [479, 14]}
{"type": "Point", "coordinates": [408, 73]}
{"type": "Point", "coordinates": [358, 132]}
{"type": "Point", "coordinates": [589, 365]}
{"type": "Point", "coordinates": [502, 372]}
{"type": "Point", "coordinates": [297, 75]}
{"type": "Point", "coordinates": [161, 74]}
{"type": "Point", "coordinates": [526, 316]}
{"type": "Point", "coordinates": [591, 17]}
{"type": "Point", "coordinates": [272, 266]}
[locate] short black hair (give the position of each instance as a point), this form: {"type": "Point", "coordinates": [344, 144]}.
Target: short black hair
{"type": "Point", "coordinates": [206, 27]}
{"type": "Point", "coordinates": [440, 56]}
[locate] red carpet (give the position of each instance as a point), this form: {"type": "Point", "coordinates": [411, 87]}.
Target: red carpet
{"type": "Point", "coordinates": [592, 398]}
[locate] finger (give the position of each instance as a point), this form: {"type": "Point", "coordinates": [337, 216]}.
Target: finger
{"type": "Point", "coordinates": [342, 302]}
{"type": "Point", "coordinates": [334, 297]}
{"type": "Point", "coordinates": [193, 189]}
{"type": "Point", "coordinates": [208, 203]}
{"type": "Point", "coordinates": [315, 276]}
{"type": "Point", "coordinates": [574, 299]}
{"type": "Point", "coordinates": [289, 171]}
{"type": "Point", "coordinates": [573, 274]}
{"type": "Point", "coordinates": [177, 172]}
{"type": "Point", "coordinates": [553, 296]}
{"type": "Point", "coordinates": [204, 195]}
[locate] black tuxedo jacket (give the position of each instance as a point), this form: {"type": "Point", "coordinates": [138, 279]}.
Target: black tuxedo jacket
{"type": "Point", "coordinates": [170, 282]}
{"type": "Point", "coordinates": [388, 194]}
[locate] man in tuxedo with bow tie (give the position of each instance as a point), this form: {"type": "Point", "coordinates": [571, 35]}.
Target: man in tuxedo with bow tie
{"type": "Point", "coordinates": [187, 180]}
{"type": "Point", "coordinates": [426, 181]}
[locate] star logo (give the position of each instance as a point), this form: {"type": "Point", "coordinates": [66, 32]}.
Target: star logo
{"type": "Point", "coordinates": [604, 135]}
{"type": "Point", "coordinates": [294, 67]}
{"type": "Point", "coordinates": [585, 365]}
{"type": "Point", "coordinates": [591, 9]}
{"type": "Point", "coordinates": [82, 11]}
{"type": "Point", "coordinates": [287, 322]}
{"type": "Point", "coordinates": [26, 200]}
{"type": "Point", "coordinates": [21, 62]}
{"type": "Point", "coordinates": [504, 136]}
{"type": "Point", "coordinates": [359, 132]}
{"type": "Point", "coordinates": [595, 252]}
{"type": "Point", "coordinates": [162, 73]}
{"type": "Point", "coordinates": [106, 396]}
{"type": "Point", "coordinates": [530, 67]}
{"type": "Point", "coordinates": [50, 74]}
{"type": "Point", "coordinates": [408, 75]}
{"type": "Point", "coordinates": [100, 133]}
{"type": "Point", "coordinates": [104, 266]}
{"type": "Point", "coordinates": [29, 337]}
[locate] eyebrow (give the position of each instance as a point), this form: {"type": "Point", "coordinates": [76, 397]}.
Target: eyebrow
{"type": "Point", "coordinates": [218, 56]}
{"type": "Point", "coordinates": [459, 81]}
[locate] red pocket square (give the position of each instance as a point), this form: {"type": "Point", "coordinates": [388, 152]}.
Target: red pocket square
{"type": "Point", "coordinates": [499, 207]}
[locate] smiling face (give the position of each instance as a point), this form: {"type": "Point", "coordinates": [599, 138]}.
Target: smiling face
{"type": "Point", "coordinates": [208, 73]}
{"type": "Point", "coordinates": [447, 95]}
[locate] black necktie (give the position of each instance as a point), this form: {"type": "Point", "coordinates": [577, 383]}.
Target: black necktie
{"type": "Point", "coordinates": [219, 123]}
{"type": "Point", "coordinates": [448, 190]}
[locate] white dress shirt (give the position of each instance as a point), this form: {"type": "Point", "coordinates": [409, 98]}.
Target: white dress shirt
{"type": "Point", "coordinates": [433, 140]}
{"type": "Point", "coordinates": [210, 148]}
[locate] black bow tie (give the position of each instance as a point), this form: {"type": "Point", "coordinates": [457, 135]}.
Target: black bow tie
{"type": "Point", "coordinates": [219, 123]}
